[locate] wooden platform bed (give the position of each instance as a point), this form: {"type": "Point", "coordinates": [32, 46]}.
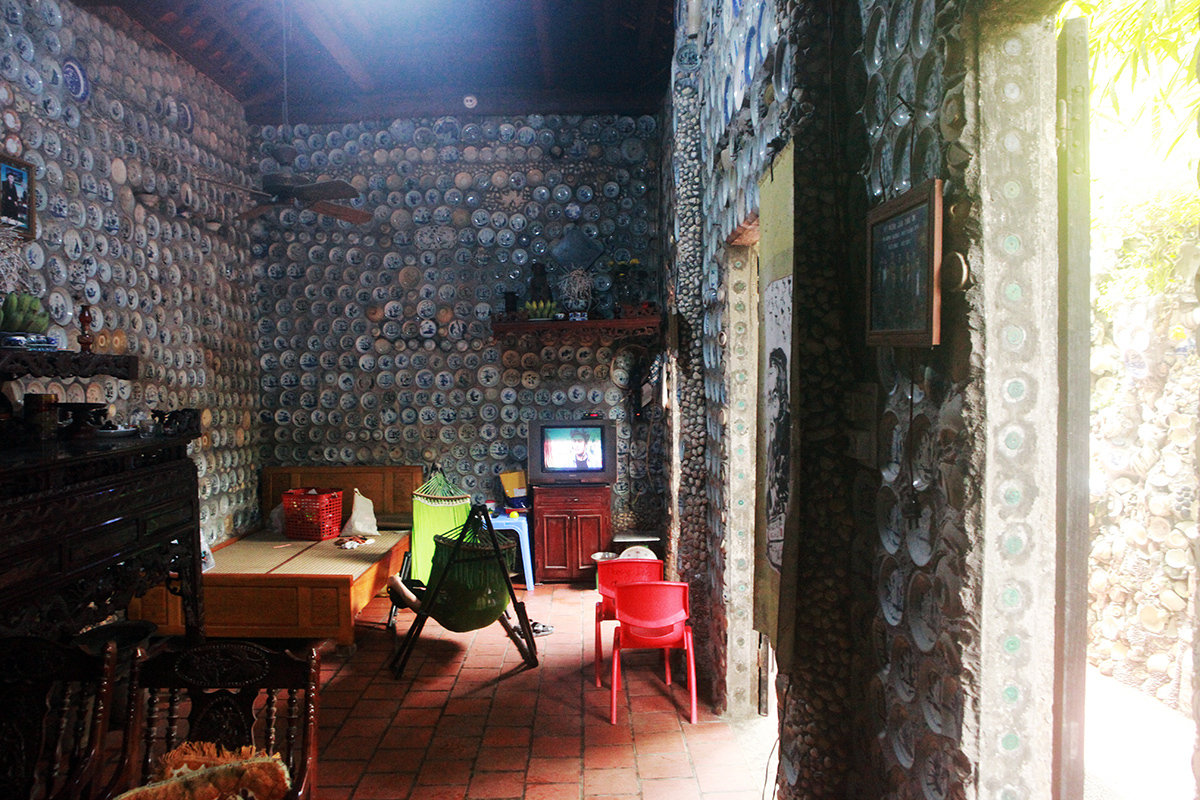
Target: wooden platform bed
{"type": "Point", "coordinates": [267, 586]}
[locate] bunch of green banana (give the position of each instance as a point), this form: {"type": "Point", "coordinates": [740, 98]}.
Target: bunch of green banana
{"type": "Point", "coordinates": [22, 313]}
{"type": "Point", "coordinates": [542, 309]}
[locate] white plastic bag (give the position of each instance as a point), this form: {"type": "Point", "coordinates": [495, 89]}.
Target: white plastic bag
{"type": "Point", "coordinates": [362, 517]}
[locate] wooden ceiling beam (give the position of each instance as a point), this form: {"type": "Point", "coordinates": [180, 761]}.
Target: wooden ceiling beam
{"type": "Point", "coordinates": [322, 27]}
{"type": "Point", "coordinates": [230, 20]}
{"type": "Point", "coordinates": [608, 19]}
{"type": "Point", "coordinates": [541, 24]}
{"type": "Point", "coordinates": [445, 100]}
{"type": "Point", "coordinates": [169, 25]}
{"type": "Point", "coordinates": [647, 23]}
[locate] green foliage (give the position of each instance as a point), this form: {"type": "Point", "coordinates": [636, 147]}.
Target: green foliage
{"type": "Point", "coordinates": [1154, 233]}
{"type": "Point", "coordinates": [1133, 41]}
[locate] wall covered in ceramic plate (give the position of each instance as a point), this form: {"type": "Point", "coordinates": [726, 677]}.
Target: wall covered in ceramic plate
{"type": "Point", "coordinates": [874, 673]}
{"type": "Point", "coordinates": [133, 152]}
{"type": "Point", "coordinates": [913, 516]}
{"type": "Point", "coordinates": [375, 341]}
{"type": "Point", "coordinates": [724, 75]}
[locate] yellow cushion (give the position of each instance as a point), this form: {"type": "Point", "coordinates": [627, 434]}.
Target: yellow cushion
{"type": "Point", "coordinates": [192, 756]}
{"type": "Point", "coordinates": [260, 778]}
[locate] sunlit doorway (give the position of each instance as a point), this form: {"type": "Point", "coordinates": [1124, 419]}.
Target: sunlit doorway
{"type": "Point", "coordinates": [1144, 386]}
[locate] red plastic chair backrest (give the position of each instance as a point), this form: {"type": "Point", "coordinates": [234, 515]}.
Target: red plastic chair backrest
{"type": "Point", "coordinates": [652, 604]}
{"type": "Point", "coordinates": [627, 570]}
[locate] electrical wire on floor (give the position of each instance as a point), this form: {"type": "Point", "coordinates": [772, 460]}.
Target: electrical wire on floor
{"type": "Point", "coordinates": [767, 769]}
{"type": "Point", "coordinates": [782, 711]}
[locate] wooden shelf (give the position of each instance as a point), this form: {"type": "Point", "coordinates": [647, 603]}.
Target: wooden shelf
{"type": "Point", "coordinates": [587, 330]}
{"type": "Point", "coordinates": [15, 363]}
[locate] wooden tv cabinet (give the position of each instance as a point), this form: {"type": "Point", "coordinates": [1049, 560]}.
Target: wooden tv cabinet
{"type": "Point", "coordinates": [569, 524]}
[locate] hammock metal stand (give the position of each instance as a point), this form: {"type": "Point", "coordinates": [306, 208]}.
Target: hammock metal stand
{"type": "Point", "coordinates": [523, 638]}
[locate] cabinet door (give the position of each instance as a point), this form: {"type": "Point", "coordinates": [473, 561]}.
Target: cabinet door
{"type": "Point", "coordinates": [592, 527]}
{"type": "Point", "coordinates": [553, 539]}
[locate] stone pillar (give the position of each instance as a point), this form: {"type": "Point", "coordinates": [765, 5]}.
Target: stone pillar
{"type": "Point", "coordinates": [738, 300]}
{"type": "Point", "coordinates": [688, 405]}
{"type": "Point", "coordinates": [1019, 244]}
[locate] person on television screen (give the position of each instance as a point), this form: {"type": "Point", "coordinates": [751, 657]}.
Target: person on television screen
{"type": "Point", "coordinates": [587, 452]}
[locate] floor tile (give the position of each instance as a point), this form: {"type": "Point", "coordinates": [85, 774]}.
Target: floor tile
{"type": "Point", "coordinates": [553, 746]}
{"type": "Point", "coordinates": [553, 791]}
{"type": "Point", "coordinates": [339, 773]}
{"type": "Point", "coordinates": [670, 789]}
{"type": "Point", "coordinates": [494, 785]}
{"type": "Point", "coordinates": [716, 778]}
{"type": "Point", "coordinates": [663, 742]}
{"type": "Point", "coordinates": [469, 721]}
{"type": "Point", "coordinates": [438, 793]}
{"type": "Point", "coordinates": [664, 765]}
{"type": "Point", "coordinates": [398, 760]}
{"type": "Point", "coordinates": [615, 780]}
{"type": "Point", "coordinates": [608, 756]}
{"type": "Point", "coordinates": [554, 770]}
{"type": "Point", "coordinates": [501, 759]}
{"type": "Point", "coordinates": [446, 772]}
{"type": "Point", "coordinates": [391, 786]}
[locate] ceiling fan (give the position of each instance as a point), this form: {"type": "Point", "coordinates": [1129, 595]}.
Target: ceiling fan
{"type": "Point", "coordinates": [280, 189]}
{"type": "Point", "coordinates": [287, 189]}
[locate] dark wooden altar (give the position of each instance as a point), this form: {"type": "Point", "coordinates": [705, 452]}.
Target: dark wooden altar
{"type": "Point", "coordinates": [86, 525]}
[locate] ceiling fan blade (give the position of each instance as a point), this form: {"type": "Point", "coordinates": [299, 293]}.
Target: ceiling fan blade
{"type": "Point", "coordinates": [257, 211]}
{"type": "Point", "coordinates": [352, 215]}
{"type": "Point", "coordinates": [235, 186]}
{"type": "Point", "coordinates": [325, 190]}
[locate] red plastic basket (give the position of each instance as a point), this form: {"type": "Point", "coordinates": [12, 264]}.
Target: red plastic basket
{"type": "Point", "coordinates": [312, 517]}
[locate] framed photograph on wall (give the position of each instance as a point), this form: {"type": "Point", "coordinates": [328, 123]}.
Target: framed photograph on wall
{"type": "Point", "coordinates": [17, 207]}
{"type": "Point", "coordinates": [904, 257]}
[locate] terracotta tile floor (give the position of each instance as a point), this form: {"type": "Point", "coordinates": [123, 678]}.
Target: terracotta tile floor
{"type": "Point", "coordinates": [469, 721]}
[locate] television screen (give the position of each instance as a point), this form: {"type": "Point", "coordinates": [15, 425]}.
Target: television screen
{"type": "Point", "coordinates": [575, 448]}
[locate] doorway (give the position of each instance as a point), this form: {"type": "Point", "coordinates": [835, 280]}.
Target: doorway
{"type": "Point", "coordinates": [1136, 566]}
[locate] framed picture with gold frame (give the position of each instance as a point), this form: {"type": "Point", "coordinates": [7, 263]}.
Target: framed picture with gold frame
{"type": "Point", "coordinates": [904, 257]}
{"type": "Point", "coordinates": [18, 208]}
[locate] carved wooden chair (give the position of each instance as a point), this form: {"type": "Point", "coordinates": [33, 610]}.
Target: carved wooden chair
{"type": "Point", "coordinates": [54, 709]}
{"type": "Point", "coordinates": [232, 694]}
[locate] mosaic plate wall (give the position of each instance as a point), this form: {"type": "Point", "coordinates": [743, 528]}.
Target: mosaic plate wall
{"type": "Point", "coordinates": [719, 153]}
{"type": "Point", "coordinates": [921, 633]}
{"type": "Point", "coordinates": [899, 78]}
{"type": "Point", "coordinates": [375, 341]}
{"type": "Point", "coordinates": [745, 105]}
{"type": "Point", "coordinates": [1142, 572]}
{"type": "Point", "coordinates": [124, 139]}
{"type": "Point", "coordinates": [740, 112]}
{"type": "Point", "coordinates": [915, 699]}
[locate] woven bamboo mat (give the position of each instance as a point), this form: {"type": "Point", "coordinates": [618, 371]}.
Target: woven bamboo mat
{"type": "Point", "coordinates": [257, 553]}
{"type": "Point", "coordinates": [325, 558]}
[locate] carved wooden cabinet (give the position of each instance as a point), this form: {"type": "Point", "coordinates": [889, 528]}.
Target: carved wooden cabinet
{"type": "Point", "coordinates": [86, 525]}
{"type": "Point", "coordinates": [569, 524]}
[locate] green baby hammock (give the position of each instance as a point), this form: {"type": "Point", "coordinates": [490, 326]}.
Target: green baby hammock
{"type": "Point", "coordinates": [473, 589]}
{"type": "Point", "coordinates": [470, 587]}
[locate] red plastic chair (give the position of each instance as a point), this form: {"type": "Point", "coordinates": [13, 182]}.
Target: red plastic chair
{"type": "Point", "coordinates": [610, 573]}
{"type": "Point", "coordinates": [652, 615]}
